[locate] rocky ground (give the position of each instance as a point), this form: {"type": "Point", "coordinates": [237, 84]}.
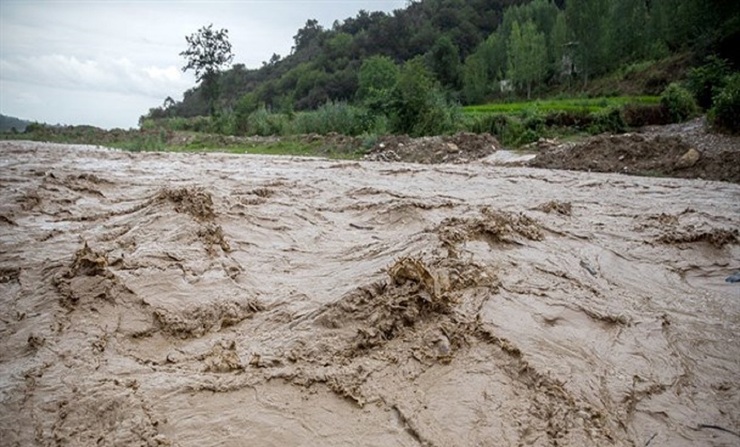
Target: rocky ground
{"type": "Point", "coordinates": [686, 150]}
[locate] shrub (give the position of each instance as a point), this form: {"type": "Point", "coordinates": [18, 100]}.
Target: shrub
{"type": "Point", "coordinates": [510, 131]}
{"type": "Point", "coordinates": [609, 120]}
{"type": "Point", "coordinates": [437, 118]}
{"type": "Point", "coordinates": [725, 113]}
{"type": "Point", "coordinates": [264, 123]}
{"type": "Point", "coordinates": [705, 81]}
{"type": "Point", "coordinates": [578, 120]}
{"type": "Point", "coordinates": [338, 117]}
{"type": "Point", "coordinates": [533, 120]}
{"type": "Point", "coordinates": [678, 102]}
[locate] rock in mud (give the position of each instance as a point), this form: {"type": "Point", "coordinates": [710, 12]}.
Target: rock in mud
{"type": "Point", "coordinates": [689, 159]}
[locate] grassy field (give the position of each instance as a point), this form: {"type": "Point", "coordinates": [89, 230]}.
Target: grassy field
{"type": "Point", "coordinates": [561, 105]}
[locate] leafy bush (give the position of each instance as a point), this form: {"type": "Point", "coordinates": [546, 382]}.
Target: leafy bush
{"type": "Point", "coordinates": [705, 81]}
{"type": "Point", "coordinates": [263, 123]}
{"type": "Point", "coordinates": [509, 130]}
{"type": "Point", "coordinates": [574, 119]}
{"type": "Point", "coordinates": [678, 102]}
{"type": "Point", "coordinates": [437, 118]}
{"type": "Point", "coordinates": [609, 120]}
{"type": "Point", "coordinates": [725, 113]}
{"type": "Point", "coordinates": [533, 120]}
{"type": "Point", "coordinates": [336, 117]}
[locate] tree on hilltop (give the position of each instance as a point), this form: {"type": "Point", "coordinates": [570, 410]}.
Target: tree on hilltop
{"type": "Point", "coordinates": [208, 52]}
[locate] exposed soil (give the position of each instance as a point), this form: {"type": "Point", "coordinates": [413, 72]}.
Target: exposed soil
{"type": "Point", "coordinates": [212, 299]}
{"type": "Point", "coordinates": [687, 150]}
{"type": "Point", "coordinates": [459, 148]}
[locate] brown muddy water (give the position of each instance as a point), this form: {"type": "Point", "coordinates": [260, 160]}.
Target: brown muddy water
{"type": "Point", "coordinates": [198, 300]}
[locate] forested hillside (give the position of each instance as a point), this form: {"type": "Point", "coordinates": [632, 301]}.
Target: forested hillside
{"type": "Point", "coordinates": [459, 51]}
{"type": "Point", "coordinates": [8, 123]}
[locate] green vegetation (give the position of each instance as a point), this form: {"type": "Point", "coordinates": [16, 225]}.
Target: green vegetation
{"type": "Point", "coordinates": [707, 80]}
{"type": "Point", "coordinates": [679, 103]}
{"type": "Point", "coordinates": [208, 51]}
{"type": "Point", "coordinates": [12, 124]}
{"type": "Point", "coordinates": [464, 49]}
{"type": "Point", "coordinates": [563, 105]}
{"type": "Point", "coordinates": [442, 66]}
{"type": "Point", "coordinates": [166, 140]}
{"type": "Point", "coordinates": [725, 113]}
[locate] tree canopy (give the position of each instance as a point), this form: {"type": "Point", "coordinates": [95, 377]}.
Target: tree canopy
{"type": "Point", "coordinates": [468, 46]}
{"type": "Point", "coordinates": [208, 51]}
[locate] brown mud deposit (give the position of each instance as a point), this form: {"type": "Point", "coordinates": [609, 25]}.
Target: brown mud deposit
{"type": "Point", "coordinates": [462, 147]}
{"type": "Point", "coordinates": [683, 154]}
{"type": "Point", "coordinates": [211, 299]}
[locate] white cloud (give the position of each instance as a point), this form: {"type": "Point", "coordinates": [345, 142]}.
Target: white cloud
{"type": "Point", "coordinates": [79, 49]}
{"type": "Point", "coordinates": [102, 75]}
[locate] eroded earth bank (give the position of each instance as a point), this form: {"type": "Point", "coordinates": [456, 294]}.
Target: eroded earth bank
{"type": "Point", "coordinates": [196, 300]}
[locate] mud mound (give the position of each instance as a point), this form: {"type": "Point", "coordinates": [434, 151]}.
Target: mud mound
{"type": "Point", "coordinates": [196, 320]}
{"type": "Point", "coordinates": [685, 228]}
{"type": "Point", "coordinates": [415, 292]}
{"type": "Point", "coordinates": [458, 148]}
{"type": "Point", "coordinates": [642, 155]}
{"type": "Point", "coordinates": [213, 236]}
{"type": "Point", "coordinates": [556, 206]}
{"type": "Point", "coordinates": [87, 280]}
{"type": "Point", "coordinates": [492, 226]}
{"type": "Point", "coordinates": [9, 274]}
{"type": "Point", "coordinates": [194, 201]}
{"type": "Point", "coordinates": [198, 203]}
{"type": "Point", "coordinates": [717, 237]}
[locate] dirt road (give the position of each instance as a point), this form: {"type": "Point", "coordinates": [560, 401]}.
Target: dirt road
{"type": "Point", "coordinates": [196, 300]}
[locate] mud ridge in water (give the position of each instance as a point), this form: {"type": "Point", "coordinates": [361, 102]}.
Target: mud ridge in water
{"type": "Point", "coordinates": [87, 279]}
{"type": "Point", "coordinates": [717, 237]}
{"type": "Point", "coordinates": [492, 225]}
{"type": "Point", "coordinates": [194, 201]}
{"type": "Point", "coordinates": [556, 206]}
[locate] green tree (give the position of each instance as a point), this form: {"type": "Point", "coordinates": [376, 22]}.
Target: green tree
{"type": "Point", "coordinates": [527, 56]}
{"type": "Point", "coordinates": [628, 30]}
{"type": "Point", "coordinates": [208, 51]}
{"type": "Point", "coordinates": [587, 21]}
{"type": "Point", "coordinates": [558, 40]}
{"type": "Point", "coordinates": [445, 62]}
{"type": "Point", "coordinates": [475, 79]}
{"type": "Point", "coordinates": [377, 79]}
{"type": "Point", "coordinates": [419, 108]}
{"type": "Point", "coordinates": [307, 35]}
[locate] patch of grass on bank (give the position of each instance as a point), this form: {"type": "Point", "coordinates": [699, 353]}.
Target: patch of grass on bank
{"type": "Point", "coordinates": [588, 105]}
{"type": "Point", "coordinates": [161, 140]}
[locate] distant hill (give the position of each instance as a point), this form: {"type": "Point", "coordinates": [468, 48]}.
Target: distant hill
{"type": "Point", "coordinates": [470, 46]}
{"type": "Point", "coordinates": [325, 62]}
{"type": "Point", "coordinates": [10, 122]}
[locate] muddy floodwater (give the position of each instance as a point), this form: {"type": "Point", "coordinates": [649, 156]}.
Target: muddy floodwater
{"type": "Point", "coordinates": [224, 300]}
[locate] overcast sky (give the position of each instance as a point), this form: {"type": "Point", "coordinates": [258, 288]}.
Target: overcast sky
{"type": "Point", "coordinates": [106, 63]}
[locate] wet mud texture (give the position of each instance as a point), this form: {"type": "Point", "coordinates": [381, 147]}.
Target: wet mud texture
{"type": "Point", "coordinates": [647, 154]}
{"type": "Point", "coordinates": [190, 300]}
{"type": "Point", "coordinates": [461, 147]}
